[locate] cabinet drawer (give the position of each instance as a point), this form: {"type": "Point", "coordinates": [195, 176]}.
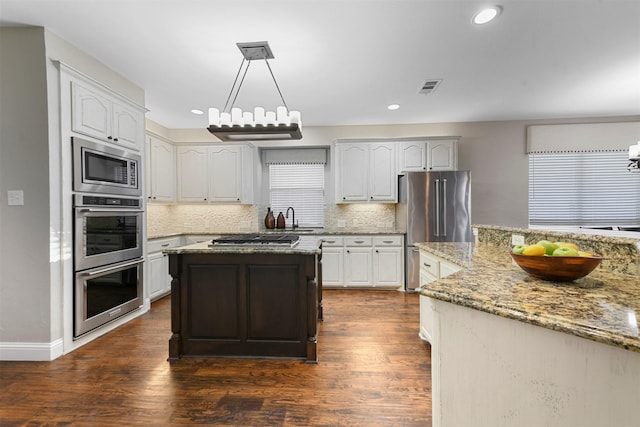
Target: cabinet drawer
{"type": "Point", "coordinates": [387, 241]}
{"type": "Point", "coordinates": [330, 241]}
{"type": "Point", "coordinates": [358, 241]}
{"type": "Point", "coordinates": [429, 265]}
{"type": "Point", "coordinates": [157, 245]}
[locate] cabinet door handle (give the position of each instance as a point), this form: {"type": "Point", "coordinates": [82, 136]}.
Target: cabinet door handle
{"type": "Point", "coordinates": [115, 139]}
{"type": "Point", "coordinates": [377, 251]}
{"type": "Point", "coordinates": [371, 197]}
{"type": "Point", "coordinates": [348, 251]}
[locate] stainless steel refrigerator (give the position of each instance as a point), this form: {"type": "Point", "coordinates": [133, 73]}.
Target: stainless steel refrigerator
{"type": "Point", "coordinates": [433, 207]}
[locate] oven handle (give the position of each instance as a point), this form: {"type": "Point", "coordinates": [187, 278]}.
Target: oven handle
{"type": "Point", "coordinates": [109, 210]}
{"type": "Point", "coordinates": [113, 267]}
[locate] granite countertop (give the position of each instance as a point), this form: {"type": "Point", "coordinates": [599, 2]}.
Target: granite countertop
{"type": "Point", "coordinates": [301, 232]}
{"type": "Point", "coordinates": [603, 307]}
{"type": "Point", "coordinates": [308, 245]}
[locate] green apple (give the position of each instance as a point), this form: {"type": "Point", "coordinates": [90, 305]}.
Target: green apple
{"type": "Point", "coordinates": [565, 251]}
{"type": "Point", "coordinates": [518, 249]}
{"type": "Point", "coordinates": [549, 247]}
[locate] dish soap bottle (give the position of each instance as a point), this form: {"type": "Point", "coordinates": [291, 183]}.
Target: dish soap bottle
{"type": "Point", "coordinates": [269, 220]}
{"type": "Point", "coordinates": [280, 222]}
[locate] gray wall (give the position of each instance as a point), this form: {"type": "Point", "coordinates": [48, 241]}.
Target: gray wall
{"type": "Point", "coordinates": [25, 312]}
{"type": "Point", "coordinates": [32, 278]}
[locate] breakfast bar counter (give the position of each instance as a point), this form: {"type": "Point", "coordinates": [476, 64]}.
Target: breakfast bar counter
{"type": "Point", "coordinates": [246, 300]}
{"type": "Point", "coordinates": [603, 307]}
{"type": "Point", "coordinates": [509, 349]}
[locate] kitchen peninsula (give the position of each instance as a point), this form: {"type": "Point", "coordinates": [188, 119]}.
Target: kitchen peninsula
{"type": "Point", "coordinates": [510, 349]}
{"type": "Point", "coordinates": [246, 300]}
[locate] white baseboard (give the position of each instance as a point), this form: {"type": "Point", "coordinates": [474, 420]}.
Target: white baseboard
{"type": "Point", "coordinates": [31, 351]}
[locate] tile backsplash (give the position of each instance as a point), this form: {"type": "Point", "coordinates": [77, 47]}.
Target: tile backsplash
{"type": "Point", "coordinates": [163, 220]}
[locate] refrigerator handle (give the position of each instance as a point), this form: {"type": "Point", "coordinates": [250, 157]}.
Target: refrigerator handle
{"type": "Point", "coordinates": [444, 207]}
{"type": "Point", "coordinates": [437, 197]}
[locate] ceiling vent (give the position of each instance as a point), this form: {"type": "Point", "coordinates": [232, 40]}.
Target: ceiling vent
{"type": "Point", "coordinates": [429, 86]}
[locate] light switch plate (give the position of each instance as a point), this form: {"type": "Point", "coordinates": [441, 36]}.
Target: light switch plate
{"type": "Point", "coordinates": [15, 197]}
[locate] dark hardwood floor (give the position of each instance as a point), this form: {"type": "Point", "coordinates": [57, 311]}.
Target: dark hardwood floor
{"type": "Point", "coordinates": [373, 370]}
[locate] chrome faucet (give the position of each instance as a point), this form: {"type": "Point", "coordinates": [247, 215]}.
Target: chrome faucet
{"type": "Point", "coordinates": [294, 225]}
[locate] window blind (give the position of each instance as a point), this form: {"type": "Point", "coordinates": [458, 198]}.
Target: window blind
{"type": "Point", "coordinates": [300, 186]}
{"type": "Point", "coordinates": [583, 189]}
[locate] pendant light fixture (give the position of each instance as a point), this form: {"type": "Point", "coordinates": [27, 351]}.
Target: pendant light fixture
{"type": "Point", "coordinates": [233, 124]}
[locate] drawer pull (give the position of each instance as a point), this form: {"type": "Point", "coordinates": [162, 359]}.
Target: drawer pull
{"type": "Point", "coordinates": [387, 241]}
{"type": "Point", "coordinates": [165, 245]}
{"type": "Point", "coordinates": [426, 265]}
{"type": "Point", "coordinates": [330, 241]}
{"type": "Point", "coordinates": [358, 241]}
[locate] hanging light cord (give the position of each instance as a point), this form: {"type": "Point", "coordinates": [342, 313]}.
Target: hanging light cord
{"type": "Point", "coordinates": [276, 83]}
{"type": "Point", "coordinates": [233, 86]}
{"type": "Point", "coordinates": [226, 104]}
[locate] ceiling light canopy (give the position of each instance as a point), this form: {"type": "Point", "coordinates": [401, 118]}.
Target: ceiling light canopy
{"type": "Point", "coordinates": [393, 107]}
{"type": "Point", "coordinates": [233, 124]}
{"type": "Point", "coordinates": [486, 15]}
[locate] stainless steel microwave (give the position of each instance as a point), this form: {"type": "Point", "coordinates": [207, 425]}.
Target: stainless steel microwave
{"type": "Point", "coordinates": [98, 168]}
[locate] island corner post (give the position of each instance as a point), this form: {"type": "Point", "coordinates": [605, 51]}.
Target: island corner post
{"type": "Point", "coordinates": [264, 305]}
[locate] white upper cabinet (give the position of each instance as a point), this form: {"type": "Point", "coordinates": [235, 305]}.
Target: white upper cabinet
{"type": "Point", "coordinates": [366, 172]}
{"type": "Point", "coordinates": [442, 155]}
{"type": "Point", "coordinates": [353, 185]}
{"type": "Point", "coordinates": [412, 156]}
{"type": "Point", "coordinates": [192, 173]}
{"type": "Point", "coordinates": [98, 114]}
{"type": "Point", "coordinates": [428, 155]}
{"type": "Point", "coordinates": [222, 173]}
{"type": "Point", "coordinates": [225, 174]}
{"type": "Point", "coordinates": [161, 182]}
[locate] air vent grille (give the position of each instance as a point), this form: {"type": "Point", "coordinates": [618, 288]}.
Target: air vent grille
{"type": "Point", "coordinates": [429, 86]}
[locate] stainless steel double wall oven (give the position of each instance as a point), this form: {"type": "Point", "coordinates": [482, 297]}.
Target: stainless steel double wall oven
{"type": "Point", "coordinates": [108, 238]}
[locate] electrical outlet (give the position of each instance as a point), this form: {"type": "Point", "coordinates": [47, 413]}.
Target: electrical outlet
{"type": "Point", "coordinates": [517, 239]}
{"type": "Point", "coordinates": [15, 198]}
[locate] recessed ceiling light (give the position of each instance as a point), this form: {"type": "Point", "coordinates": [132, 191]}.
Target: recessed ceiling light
{"type": "Point", "coordinates": [198, 112]}
{"type": "Point", "coordinates": [486, 15]}
{"type": "Point", "coordinates": [393, 107]}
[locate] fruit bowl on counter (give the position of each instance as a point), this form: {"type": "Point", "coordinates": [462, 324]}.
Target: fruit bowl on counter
{"type": "Point", "coordinates": [560, 261]}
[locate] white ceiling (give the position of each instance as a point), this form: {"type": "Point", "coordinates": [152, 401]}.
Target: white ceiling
{"type": "Point", "coordinates": [341, 62]}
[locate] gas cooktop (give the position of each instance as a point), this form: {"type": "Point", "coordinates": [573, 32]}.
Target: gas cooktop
{"type": "Point", "coordinates": [258, 239]}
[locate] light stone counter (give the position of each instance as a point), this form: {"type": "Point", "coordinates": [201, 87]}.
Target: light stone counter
{"type": "Point", "coordinates": [307, 245]}
{"type": "Point", "coordinates": [530, 352]}
{"type": "Point", "coordinates": [603, 307]}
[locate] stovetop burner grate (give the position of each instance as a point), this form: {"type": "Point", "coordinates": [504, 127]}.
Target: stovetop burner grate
{"type": "Point", "coordinates": [258, 239]}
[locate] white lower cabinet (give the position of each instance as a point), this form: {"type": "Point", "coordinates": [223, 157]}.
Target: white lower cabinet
{"type": "Point", "coordinates": [388, 265]}
{"type": "Point", "coordinates": [332, 261]}
{"type": "Point", "coordinates": [362, 261]}
{"type": "Point", "coordinates": [431, 268]}
{"type": "Point", "coordinates": [358, 263]}
{"type": "Point", "coordinates": [159, 280]}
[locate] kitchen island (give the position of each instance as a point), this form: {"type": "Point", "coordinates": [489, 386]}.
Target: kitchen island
{"type": "Point", "coordinates": [509, 349]}
{"type": "Point", "coordinates": [245, 300]}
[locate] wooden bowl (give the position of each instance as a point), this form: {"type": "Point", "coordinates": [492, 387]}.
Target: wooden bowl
{"type": "Point", "coordinates": [557, 268]}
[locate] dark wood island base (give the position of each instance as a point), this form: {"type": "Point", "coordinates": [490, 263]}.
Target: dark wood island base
{"type": "Point", "coordinates": [257, 304]}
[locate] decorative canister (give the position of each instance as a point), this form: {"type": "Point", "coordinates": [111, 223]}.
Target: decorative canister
{"type": "Point", "coordinates": [269, 220]}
